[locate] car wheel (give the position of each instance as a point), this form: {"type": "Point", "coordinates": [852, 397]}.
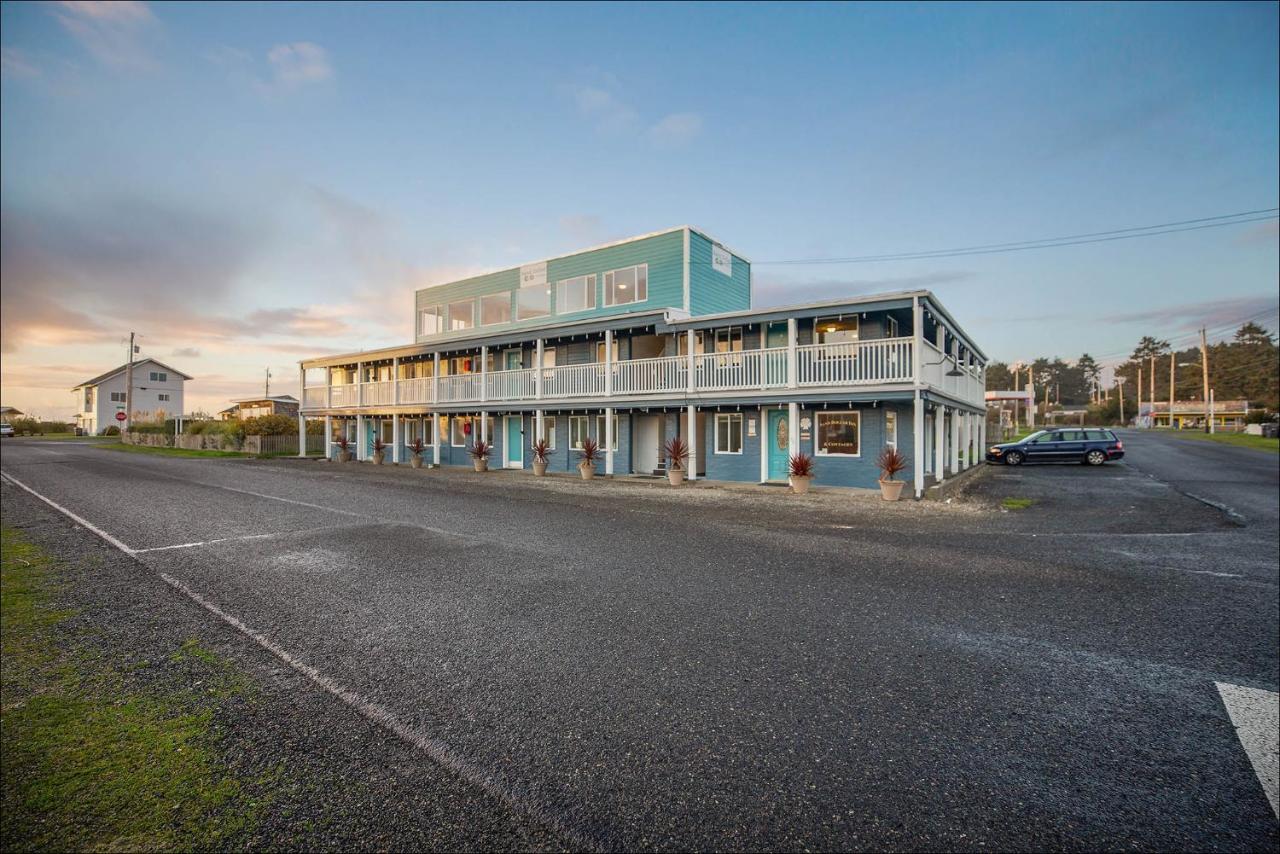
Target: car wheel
{"type": "Point", "coordinates": [1095, 458]}
{"type": "Point", "coordinates": [1013, 458]}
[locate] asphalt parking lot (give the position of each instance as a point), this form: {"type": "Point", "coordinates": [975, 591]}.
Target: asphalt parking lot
{"type": "Point", "coordinates": [653, 669]}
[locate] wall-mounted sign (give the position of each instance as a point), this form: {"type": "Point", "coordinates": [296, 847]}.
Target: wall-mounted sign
{"type": "Point", "coordinates": [721, 260]}
{"type": "Point", "coordinates": [806, 423]}
{"type": "Point", "coordinates": [751, 426]}
{"type": "Point", "coordinates": [533, 275]}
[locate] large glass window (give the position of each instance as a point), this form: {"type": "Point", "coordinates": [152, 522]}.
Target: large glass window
{"type": "Point", "coordinates": [600, 425]}
{"type": "Point", "coordinates": [576, 294]}
{"type": "Point", "coordinates": [628, 285]}
{"type": "Point", "coordinates": [462, 314]}
{"type": "Point", "coordinates": [836, 330]}
{"type": "Point", "coordinates": [549, 429]}
{"type": "Point", "coordinates": [577, 431]}
{"type": "Point", "coordinates": [729, 433]}
{"type": "Point", "coordinates": [839, 434]}
{"type": "Point", "coordinates": [533, 301]}
{"type": "Point", "coordinates": [600, 351]}
{"type": "Point", "coordinates": [430, 321]}
{"type": "Point", "coordinates": [891, 428]}
{"type": "Point", "coordinates": [495, 308]}
{"type": "Point", "coordinates": [457, 431]}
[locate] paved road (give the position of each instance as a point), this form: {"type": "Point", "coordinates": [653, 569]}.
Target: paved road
{"type": "Point", "coordinates": [649, 669]}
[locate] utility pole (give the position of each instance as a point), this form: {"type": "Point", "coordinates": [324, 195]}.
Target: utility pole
{"type": "Point", "coordinates": [1138, 414]}
{"type": "Point", "coordinates": [1211, 427]}
{"type": "Point", "coordinates": [266, 389]}
{"type": "Point", "coordinates": [1120, 397]}
{"type": "Point", "coordinates": [128, 388]}
{"type": "Point", "coordinates": [1204, 371]}
{"type": "Point", "coordinates": [1173, 366]}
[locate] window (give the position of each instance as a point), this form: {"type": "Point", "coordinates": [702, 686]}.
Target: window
{"type": "Point", "coordinates": [430, 321]}
{"type": "Point", "coordinates": [1098, 436]}
{"type": "Point", "coordinates": [838, 434]}
{"type": "Point", "coordinates": [462, 314]}
{"type": "Point", "coordinates": [412, 427]}
{"type": "Point", "coordinates": [627, 285]}
{"type": "Point", "coordinates": [495, 308]}
{"type": "Point", "coordinates": [891, 428]}
{"type": "Point", "coordinates": [164, 398]}
{"type": "Point", "coordinates": [457, 438]}
{"type": "Point", "coordinates": [600, 350]}
{"type": "Point", "coordinates": [729, 434]}
{"type": "Point", "coordinates": [549, 430]}
{"type": "Point", "coordinates": [891, 328]}
{"type": "Point", "coordinates": [533, 301]}
{"type": "Point", "coordinates": [117, 397]}
{"type": "Point", "coordinates": [836, 330]}
{"type": "Point", "coordinates": [1071, 436]}
{"type": "Point", "coordinates": [729, 340]}
{"type": "Point", "coordinates": [577, 431]}
{"type": "Point", "coordinates": [600, 432]}
{"type": "Point", "coordinates": [577, 294]}
{"type": "Point", "coordinates": [385, 431]}
{"type": "Point", "coordinates": [159, 377]}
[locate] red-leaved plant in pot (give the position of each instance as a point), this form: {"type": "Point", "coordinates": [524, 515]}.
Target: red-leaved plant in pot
{"type": "Point", "coordinates": [801, 470]}
{"type": "Point", "coordinates": [891, 462]}
{"type": "Point", "coordinates": [677, 453]}
{"type": "Point", "coordinates": [379, 451]}
{"type": "Point", "coordinates": [344, 448]}
{"type": "Point", "coordinates": [480, 451]}
{"type": "Point", "coordinates": [415, 451]}
{"type": "Point", "coordinates": [590, 453]}
{"type": "Point", "coordinates": [541, 456]}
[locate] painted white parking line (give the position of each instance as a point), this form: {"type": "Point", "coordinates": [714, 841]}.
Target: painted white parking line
{"type": "Point", "coordinates": [200, 543]}
{"type": "Point", "coordinates": [1255, 713]}
{"type": "Point", "coordinates": [85, 523]}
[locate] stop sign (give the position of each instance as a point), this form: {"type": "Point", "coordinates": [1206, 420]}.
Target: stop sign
{"type": "Point", "coordinates": [120, 416]}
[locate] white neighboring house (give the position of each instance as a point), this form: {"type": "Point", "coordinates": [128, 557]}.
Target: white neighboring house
{"type": "Point", "coordinates": [157, 394]}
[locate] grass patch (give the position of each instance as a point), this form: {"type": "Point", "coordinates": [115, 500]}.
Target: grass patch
{"type": "Point", "coordinates": [169, 452]}
{"type": "Point", "coordinates": [62, 437]}
{"type": "Point", "coordinates": [90, 763]}
{"type": "Point", "coordinates": [1017, 503]}
{"type": "Point", "coordinates": [1240, 440]}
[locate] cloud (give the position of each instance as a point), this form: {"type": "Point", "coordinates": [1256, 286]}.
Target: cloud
{"type": "Point", "coordinates": [186, 353]}
{"type": "Point", "coordinates": [583, 228]}
{"type": "Point", "coordinates": [115, 32]}
{"type": "Point", "coordinates": [16, 63]}
{"type": "Point", "coordinates": [1266, 234]}
{"type": "Point", "coordinates": [603, 108]}
{"type": "Point", "coordinates": [675, 130]}
{"type": "Point", "coordinates": [298, 64]}
{"type": "Point", "coordinates": [770, 291]}
{"type": "Point", "coordinates": [1207, 314]}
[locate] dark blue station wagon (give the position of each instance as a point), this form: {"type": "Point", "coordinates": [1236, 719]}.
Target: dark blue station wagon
{"type": "Point", "coordinates": [1091, 446]}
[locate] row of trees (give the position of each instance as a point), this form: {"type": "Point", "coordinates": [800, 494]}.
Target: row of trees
{"type": "Point", "coordinates": [1246, 367]}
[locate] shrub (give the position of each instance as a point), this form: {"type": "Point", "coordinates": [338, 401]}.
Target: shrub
{"type": "Point", "coordinates": [801, 465]}
{"type": "Point", "coordinates": [269, 425]}
{"type": "Point", "coordinates": [24, 425]}
{"type": "Point", "coordinates": [541, 451]}
{"type": "Point", "coordinates": [480, 449]}
{"type": "Point", "coordinates": [416, 448]}
{"type": "Point", "coordinates": [890, 462]}
{"type": "Point", "coordinates": [112, 430]}
{"type": "Point", "coordinates": [53, 427]}
{"type": "Point", "coordinates": [590, 451]}
{"type": "Point", "coordinates": [677, 451]}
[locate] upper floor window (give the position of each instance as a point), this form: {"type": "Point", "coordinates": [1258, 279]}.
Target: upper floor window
{"type": "Point", "coordinates": [159, 377]}
{"type": "Point", "coordinates": [462, 315]}
{"type": "Point", "coordinates": [836, 330]}
{"type": "Point", "coordinates": [628, 285]}
{"type": "Point", "coordinates": [430, 321]}
{"type": "Point", "coordinates": [88, 399]}
{"type": "Point", "coordinates": [600, 350]}
{"type": "Point", "coordinates": [729, 340]}
{"type": "Point", "coordinates": [117, 397]}
{"type": "Point", "coordinates": [533, 301]}
{"type": "Point", "coordinates": [495, 308]}
{"type": "Point", "coordinates": [576, 294]}
{"type": "Point", "coordinates": [891, 328]}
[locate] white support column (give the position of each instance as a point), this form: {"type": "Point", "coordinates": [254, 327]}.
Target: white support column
{"type": "Point", "coordinates": [693, 442]}
{"type": "Point", "coordinates": [972, 439]}
{"type": "Point", "coordinates": [395, 382]}
{"type": "Point", "coordinates": [939, 443]}
{"type": "Point", "coordinates": [955, 442]}
{"type": "Point", "coordinates": [608, 368]}
{"type": "Point", "coordinates": [539, 425]}
{"type": "Point", "coordinates": [395, 439]}
{"type": "Point", "coordinates": [435, 432]}
{"type": "Point", "coordinates": [435, 382]}
{"type": "Point", "coordinates": [962, 439]}
{"type": "Point", "coordinates": [691, 362]}
{"type": "Point", "coordinates": [982, 437]}
{"type": "Point", "coordinates": [793, 366]}
{"type": "Point", "coordinates": [302, 434]}
{"type": "Point", "coordinates": [917, 439]}
{"type": "Point", "coordinates": [484, 427]}
{"type": "Point", "coordinates": [359, 385]}
{"type": "Point", "coordinates": [608, 441]}
{"type": "Point", "coordinates": [537, 374]}
{"type": "Point", "coordinates": [484, 373]}
{"type": "Point", "coordinates": [328, 435]}
{"type": "Point", "coordinates": [359, 438]}
{"type": "Point", "coordinates": [793, 429]}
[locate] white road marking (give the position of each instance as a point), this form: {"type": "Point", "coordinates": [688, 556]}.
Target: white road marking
{"type": "Point", "coordinates": [200, 543]}
{"type": "Point", "coordinates": [1255, 713]}
{"type": "Point", "coordinates": [435, 750]}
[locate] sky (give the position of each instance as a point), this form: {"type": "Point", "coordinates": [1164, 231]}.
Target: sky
{"type": "Point", "coordinates": [248, 184]}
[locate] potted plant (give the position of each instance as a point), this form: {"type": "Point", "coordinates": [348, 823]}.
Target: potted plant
{"type": "Point", "coordinates": [590, 453]}
{"type": "Point", "coordinates": [541, 456]}
{"type": "Point", "coordinates": [416, 450]}
{"type": "Point", "coordinates": [891, 462]}
{"type": "Point", "coordinates": [479, 451]}
{"type": "Point", "coordinates": [801, 467]}
{"type": "Point", "coordinates": [344, 449]}
{"type": "Point", "coordinates": [379, 451]}
{"type": "Point", "coordinates": [677, 452]}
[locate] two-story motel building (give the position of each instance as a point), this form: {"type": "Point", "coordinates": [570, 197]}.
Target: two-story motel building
{"type": "Point", "coordinates": [634, 342]}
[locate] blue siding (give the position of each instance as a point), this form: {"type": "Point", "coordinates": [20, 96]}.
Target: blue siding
{"type": "Point", "coordinates": [711, 291]}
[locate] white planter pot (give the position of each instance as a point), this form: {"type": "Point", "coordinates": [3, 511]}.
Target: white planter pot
{"type": "Point", "coordinates": [675, 476]}
{"type": "Point", "coordinates": [891, 490]}
{"type": "Point", "coordinates": [588, 470]}
{"type": "Point", "coordinates": [344, 456]}
{"type": "Point", "coordinates": [378, 457]}
{"type": "Point", "coordinates": [416, 461]}
{"type": "Point", "coordinates": [539, 469]}
{"type": "Point", "coordinates": [800, 485]}
{"type": "Point", "coordinates": [481, 464]}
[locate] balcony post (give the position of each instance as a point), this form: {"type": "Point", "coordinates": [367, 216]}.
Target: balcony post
{"type": "Point", "coordinates": [539, 425]}
{"type": "Point", "coordinates": [955, 442]}
{"type": "Point", "coordinates": [328, 389]}
{"type": "Point", "coordinates": [359, 437]}
{"type": "Point", "coordinates": [793, 366]}
{"type": "Point", "coordinates": [917, 433]}
{"type": "Point", "coordinates": [793, 429]}
{"type": "Point", "coordinates": [328, 435]}
{"type": "Point", "coordinates": [939, 443]}
{"type": "Point", "coordinates": [693, 437]}
{"type": "Point", "coordinates": [435, 431]}
{"type": "Point", "coordinates": [608, 441]}
{"type": "Point", "coordinates": [359, 387]}
{"type": "Point", "coordinates": [302, 434]}
{"type": "Point", "coordinates": [608, 375]}
{"type": "Point", "coordinates": [484, 373]}
{"type": "Point", "coordinates": [691, 364]}
{"type": "Point", "coordinates": [395, 382]}
{"type": "Point", "coordinates": [537, 373]}
{"type": "Point", "coordinates": [395, 438]}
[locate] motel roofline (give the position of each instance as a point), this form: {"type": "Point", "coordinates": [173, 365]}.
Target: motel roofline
{"type": "Point", "coordinates": [663, 319]}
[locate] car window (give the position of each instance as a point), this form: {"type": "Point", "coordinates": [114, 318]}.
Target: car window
{"type": "Point", "coordinates": [1097, 436]}
{"type": "Point", "coordinates": [1072, 436]}
{"type": "Point", "coordinates": [1045, 439]}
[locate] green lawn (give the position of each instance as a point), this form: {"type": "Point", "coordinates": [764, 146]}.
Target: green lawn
{"type": "Point", "coordinates": [168, 452]}
{"type": "Point", "coordinates": [1242, 440]}
{"type": "Point", "coordinates": [62, 437]}
{"type": "Point", "coordinates": [95, 761]}
{"type": "Point", "coordinates": [1017, 503]}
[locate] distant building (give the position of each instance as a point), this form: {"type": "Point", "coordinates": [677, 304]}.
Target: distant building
{"type": "Point", "coordinates": [157, 394]}
{"type": "Point", "coordinates": [255, 407]}
{"type": "Point", "coordinates": [7, 412]}
{"type": "Point", "coordinates": [1190, 414]}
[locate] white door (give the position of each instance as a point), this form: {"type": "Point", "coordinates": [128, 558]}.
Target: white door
{"type": "Point", "coordinates": [646, 443]}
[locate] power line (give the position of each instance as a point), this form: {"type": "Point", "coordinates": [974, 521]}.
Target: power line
{"type": "Point", "coordinates": [1240, 218]}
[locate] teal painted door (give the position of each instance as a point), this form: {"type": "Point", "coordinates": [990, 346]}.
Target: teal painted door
{"type": "Point", "coordinates": [515, 442]}
{"type": "Point", "coordinates": [779, 442]}
{"type": "Point", "coordinates": [512, 362]}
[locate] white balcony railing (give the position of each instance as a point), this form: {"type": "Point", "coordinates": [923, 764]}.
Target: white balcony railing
{"type": "Point", "coordinates": [842, 365]}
